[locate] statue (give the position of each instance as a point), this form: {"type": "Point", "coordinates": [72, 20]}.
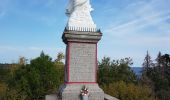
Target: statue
{"type": "Point", "coordinates": [79, 15]}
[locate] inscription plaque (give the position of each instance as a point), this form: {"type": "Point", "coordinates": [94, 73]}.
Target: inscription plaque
{"type": "Point", "coordinates": [82, 62]}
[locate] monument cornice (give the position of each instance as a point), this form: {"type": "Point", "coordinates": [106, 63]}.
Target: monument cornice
{"type": "Point", "coordinates": [81, 36]}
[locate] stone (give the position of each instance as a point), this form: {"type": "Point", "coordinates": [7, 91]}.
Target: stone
{"type": "Point", "coordinates": [56, 97]}
{"type": "Point", "coordinates": [81, 65]}
{"type": "Point", "coordinates": [52, 97]}
{"type": "Point", "coordinates": [82, 62]}
{"type": "Point", "coordinates": [72, 92]}
{"type": "Point", "coordinates": [108, 97]}
{"type": "Point", "coordinates": [81, 37]}
{"type": "Point", "coordinates": [79, 15]}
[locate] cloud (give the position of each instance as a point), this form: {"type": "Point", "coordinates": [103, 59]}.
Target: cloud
{"type": "Point", "coordinates": [131, 27]}
{"type": "Point", "coordinates": [140, 26]}
{"type": "Point", "coordinates": [11, 53]}
{"type": "Point", "coordinates": [7, 48]}
{"type": "Point", "coordinates": [46, 49]}
{"type": "Point", "coordinates": [33, 48]}
{"type": "Point", "coordinates": [146, 16]}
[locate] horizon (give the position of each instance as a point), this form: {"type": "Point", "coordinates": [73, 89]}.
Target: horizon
{"type": "Point", "coordinates": [130, 28]}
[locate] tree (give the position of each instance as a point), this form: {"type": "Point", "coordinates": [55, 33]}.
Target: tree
{"type": "Point", "coordinates": [147, 71]}
{"type": "Point", "coordinates": [22, 60]}
{"type": "Point", "coordinates": [166, 65]}
{"type": "Point", "coordinates": [158, 76]}
{"type": "Point", "coordinates": [33, 81]}
{"type": "Point", "coordinates": [3, 88]}
{"type": "Point", "coordinates": [159, 60]}
{"type": "Point", "coordinates": [60, 57]}
{"type": "Point", "coordinates": [117, 79]}
{"type": "Point", "coordinates": [162, 79]}
{"type": "Point", "coordinates": [148, 64]}
{"type": "Point", "coordinates": [115, 70]}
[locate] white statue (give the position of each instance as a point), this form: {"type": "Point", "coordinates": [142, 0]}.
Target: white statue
{"type": "Point", "coordinates": [79, 15]}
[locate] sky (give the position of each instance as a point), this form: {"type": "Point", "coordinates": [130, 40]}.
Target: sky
{"type": "Point", "coordinates": [130, 28]}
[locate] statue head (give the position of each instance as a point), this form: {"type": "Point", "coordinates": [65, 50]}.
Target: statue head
{"type": "Point", "coordinates": [79, 13]}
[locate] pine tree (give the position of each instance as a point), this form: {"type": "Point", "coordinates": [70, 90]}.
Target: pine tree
{"type": "Point", "coordinates": [148, 64]}
{"type": "Point", "coordinates": [159, 60]}
{"type": "Point", "coordinates": [147, 71]}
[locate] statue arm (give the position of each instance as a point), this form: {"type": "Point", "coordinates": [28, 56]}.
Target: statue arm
{"type": "Point", "coordinates": [70, 7]}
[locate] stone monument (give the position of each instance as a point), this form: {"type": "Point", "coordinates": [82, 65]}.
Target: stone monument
{"type": "Point", "coordinates": [81, 37]}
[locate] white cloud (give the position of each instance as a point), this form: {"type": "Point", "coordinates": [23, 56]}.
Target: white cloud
{"type": "Point", "coordinates": [11, 53]}
{"type": "Point", "coordinates": [7, 48]}
{"type": "Point", "coordinates": [146, 16]}
{"type": "Point", "coordinates": [142, 26]}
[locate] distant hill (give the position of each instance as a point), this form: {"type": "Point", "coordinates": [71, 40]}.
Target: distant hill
{"type": "Point", "coordinates": [137, 70]}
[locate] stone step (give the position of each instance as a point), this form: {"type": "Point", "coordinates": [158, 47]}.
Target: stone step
{"type": "Point", "coordinates": [55, 97]}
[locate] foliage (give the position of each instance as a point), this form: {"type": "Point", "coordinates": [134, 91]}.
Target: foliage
{"type": "Point", "coordinates": [128, 91]}
{"type": "Point", "coordinates": [60, 57]}
{"type": "Point", "coordinates": [33, 81]}
{"type": "Point", "coordinates": [22, 61]}
{"type": "Point", "coordinates": [43, 76]}
{"type": "Point", "coordinates": [117, 79]}
{"type": "Point", "coordinates": [116, 70]}
{"type": "Point", "coordinates": [148, 64]}
{"type": "Point", "coordinates": [3, 88]}
{"type": "Point", "coordinates": [5, 69]}
{"type": "Point", "coordinates": [158, 76]}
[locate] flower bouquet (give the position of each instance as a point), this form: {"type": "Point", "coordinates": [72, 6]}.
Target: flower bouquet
{"type": "Point", "coordinates": [84, 93]}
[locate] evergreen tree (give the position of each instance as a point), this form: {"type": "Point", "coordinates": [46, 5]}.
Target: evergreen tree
{"type": "Point", "coordinates": [158, 75]}
{"type": "Point", "coordinates": [147, 71]}
{"type": "Point", "coordinates": [148, 64]}
{"type": "Point", "coordinates": [159, 60]}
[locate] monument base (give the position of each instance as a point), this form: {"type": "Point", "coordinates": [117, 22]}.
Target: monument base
{"type": "Point", "coordinates": [73, 92]}
{"type": "Point", "coordinates": [52, 97]}
{"type": "Point", "coordinates": [56, 97]}
{"type": "Point", "coordinates": [81, 67]}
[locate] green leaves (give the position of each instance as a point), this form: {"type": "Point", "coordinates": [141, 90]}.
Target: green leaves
{"type": "Point", "coordinates": [116, 70]}
{"type": "Point", "coordinates": [128, 91]}
{"type": "Point", "coordinates": [157, 75]}
{"type": "Point", "coordinates": [33, 81]}
{"type": "Point", "coordinates": [117, 79]}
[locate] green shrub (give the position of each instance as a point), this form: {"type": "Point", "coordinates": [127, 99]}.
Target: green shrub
{"type": "Point", "coordinates": [128, 91]}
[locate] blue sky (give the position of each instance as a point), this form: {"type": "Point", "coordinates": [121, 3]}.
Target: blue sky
{"type": "Point", "coordinates": [130, 28]}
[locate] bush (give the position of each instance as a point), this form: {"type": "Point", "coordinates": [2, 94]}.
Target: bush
{"type": "Point", "coordinates": [3, 88]}
{"type": "Point", "coordinates": [128, 91]}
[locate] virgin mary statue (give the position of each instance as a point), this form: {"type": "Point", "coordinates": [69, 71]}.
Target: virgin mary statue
{"type": "Point", "coordinates": [79, 15]}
